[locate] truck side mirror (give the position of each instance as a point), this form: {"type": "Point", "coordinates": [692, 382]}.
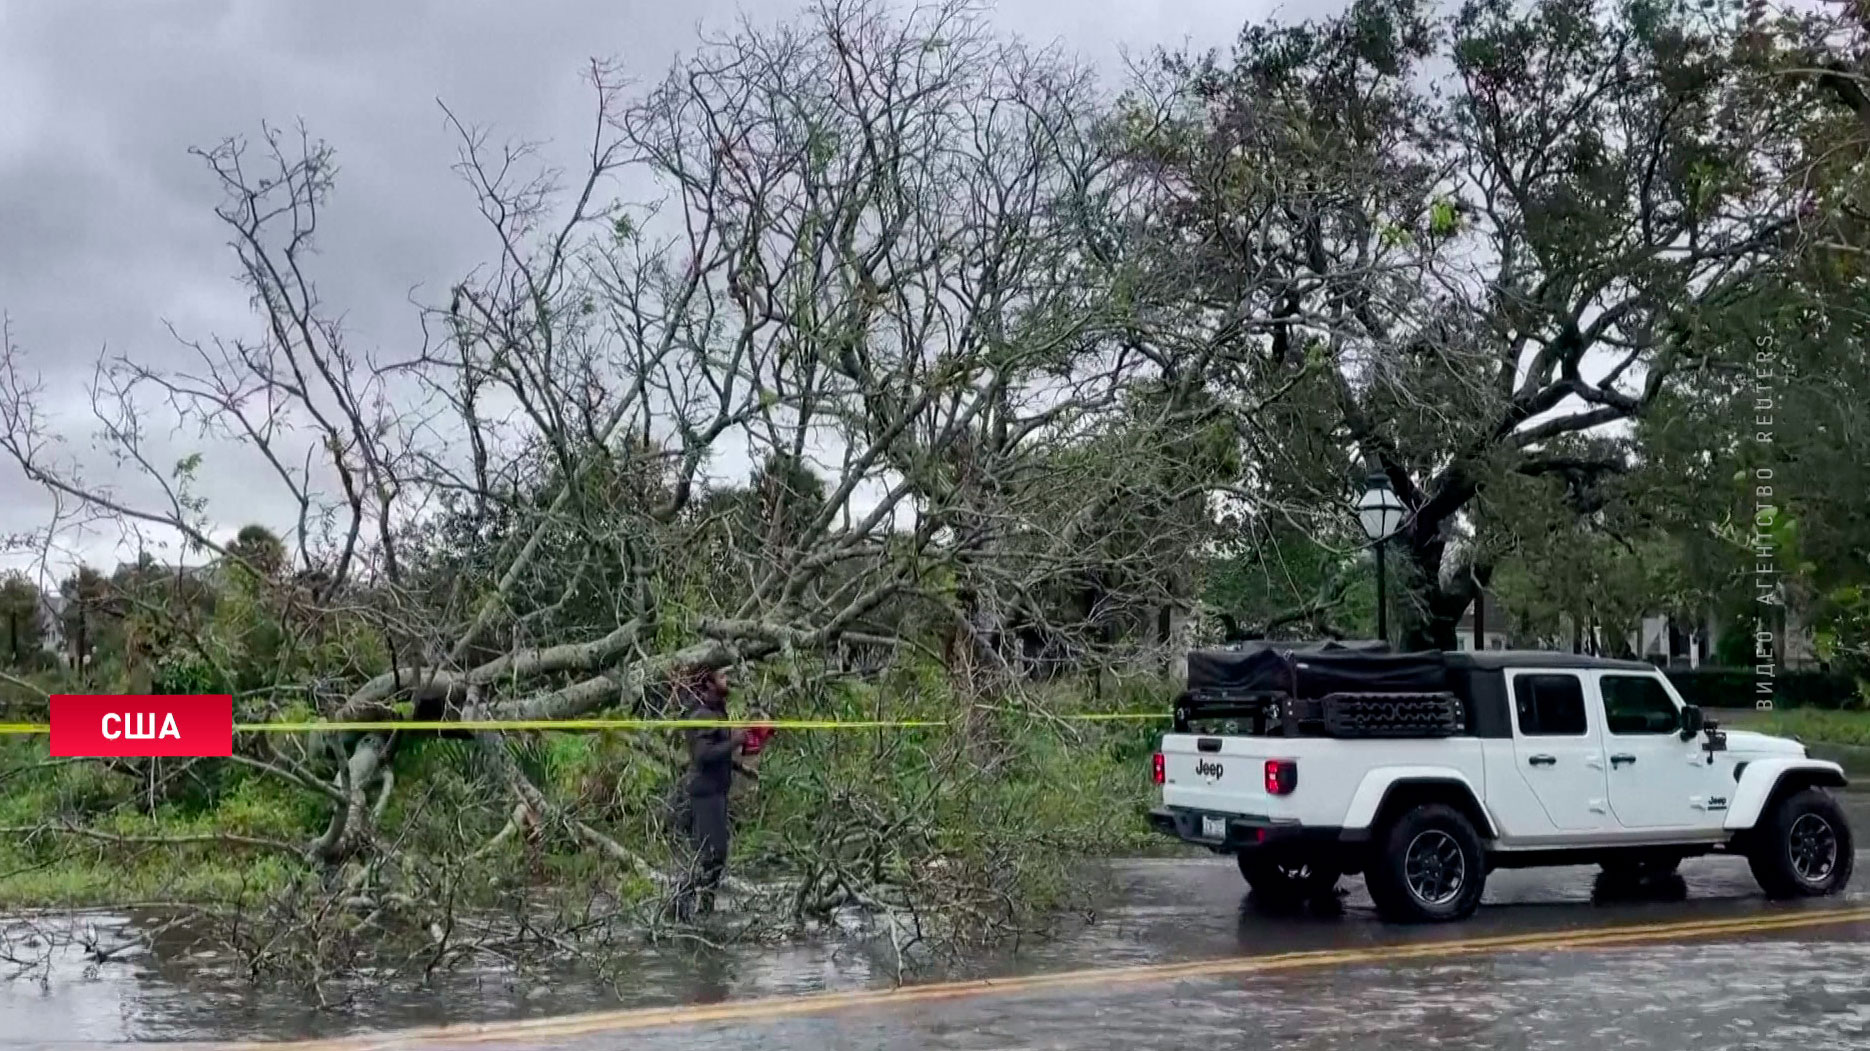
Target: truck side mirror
{"type": "Point", "coordinates": [1692, 721]}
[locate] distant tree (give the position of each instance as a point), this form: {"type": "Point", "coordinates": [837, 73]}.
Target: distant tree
{"type": "Point", "coordinates": [1464, 282]}
{"type": "Point", "coordinates": [260, 549]}
{"type": "Point", "coordinates": [871, 253]}
{"type": "Point", "coordinates": [22, 616]}
{"type": "Point", "coordinates": [92, 618]}
{"type": "Point", "coordinates": [754, 528]}
{"type": "Point", "coordinates": [1272, 581]}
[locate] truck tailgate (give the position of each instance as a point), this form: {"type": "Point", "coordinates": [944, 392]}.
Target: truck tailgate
{"type": "Point", "coordinates": [1225, 774]}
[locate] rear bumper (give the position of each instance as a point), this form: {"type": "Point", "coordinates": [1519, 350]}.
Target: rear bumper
{"type": "Point", "coordinates": [1245, 831]}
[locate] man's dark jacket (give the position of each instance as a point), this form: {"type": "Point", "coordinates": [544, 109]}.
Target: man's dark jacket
{"type": "Point", "coordinates": [710, 757]}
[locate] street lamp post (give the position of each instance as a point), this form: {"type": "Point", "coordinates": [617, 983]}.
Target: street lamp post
{"type": "Point", "coordinates": [1380, 513]}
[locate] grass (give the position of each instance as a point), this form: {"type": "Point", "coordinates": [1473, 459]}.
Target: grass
{"type": "Point", "coordinates": [1811, 725]}
{"type": "Point", "coordinates": [1048, 796]}
{"type": "Point", "coordinates": [80, 878]}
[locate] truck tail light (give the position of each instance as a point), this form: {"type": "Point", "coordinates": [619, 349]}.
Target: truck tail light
{"type": "Point", "coordinates": [1158, 773]}
{"type": "Point", "coordinates": [1282, 776]}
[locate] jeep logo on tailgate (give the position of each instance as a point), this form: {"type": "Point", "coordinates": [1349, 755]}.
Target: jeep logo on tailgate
{"type": "Point", "coordinates": [1208, 769]}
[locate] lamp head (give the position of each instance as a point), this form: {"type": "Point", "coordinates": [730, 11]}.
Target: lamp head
{"type": "Point", "coordinates": [1379, 510]}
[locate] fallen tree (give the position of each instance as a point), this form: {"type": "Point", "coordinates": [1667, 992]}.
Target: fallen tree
{"type": "Point", "coordinates": [861, 284]}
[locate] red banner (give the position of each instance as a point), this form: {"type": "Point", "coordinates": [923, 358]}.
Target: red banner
{"type": "Point", "coordinates": [129, 725]}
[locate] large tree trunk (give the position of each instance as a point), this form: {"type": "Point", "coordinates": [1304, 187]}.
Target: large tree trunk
{"type": "Point", "coordinates": [1430, 600]}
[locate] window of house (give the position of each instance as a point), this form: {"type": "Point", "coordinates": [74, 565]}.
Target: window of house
{"type": "Point", "coordinates": [1549, 705]}
{"type": "Point", "coordinates": [1638, 704]}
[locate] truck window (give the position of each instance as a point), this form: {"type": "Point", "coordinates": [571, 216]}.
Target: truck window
{"type": "Point", "coordinates": [1638, 704]}
{"type": "Point", "coordinates": [1549, 705]}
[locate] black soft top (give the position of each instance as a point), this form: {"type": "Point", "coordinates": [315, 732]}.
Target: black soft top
{"type": "Point", "coordinates": [1223, 682]}
{"type": "Point", "coordinates": [1311, 670]}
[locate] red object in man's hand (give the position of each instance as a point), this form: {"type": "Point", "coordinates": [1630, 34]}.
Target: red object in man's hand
{"type": "Point", "coordinates": [756, 739]}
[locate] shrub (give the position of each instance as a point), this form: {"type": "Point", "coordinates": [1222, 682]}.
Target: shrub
{"type": "Point", "coordinates": [1712, 687]}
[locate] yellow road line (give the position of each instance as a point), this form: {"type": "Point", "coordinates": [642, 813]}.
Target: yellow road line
{"type": "Point", "coordinates": [768, 1009]}
{"type": "Point", "coordinates": [41, 729]}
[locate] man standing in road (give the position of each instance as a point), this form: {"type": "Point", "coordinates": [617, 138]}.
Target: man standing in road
{"type": "Point", "coordinates": [710, 775]}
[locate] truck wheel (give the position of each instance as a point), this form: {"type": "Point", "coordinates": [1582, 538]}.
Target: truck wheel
{"type": "Point", "coordinates": [1287, 880]}
{"type": "Point", "coordinates": [1801, 847]}
{"type": "Point", "coordinates": [1428, 866]}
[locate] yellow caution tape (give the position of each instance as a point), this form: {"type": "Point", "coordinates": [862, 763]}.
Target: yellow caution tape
{"type": "Point", "coordinates": [586, 725]}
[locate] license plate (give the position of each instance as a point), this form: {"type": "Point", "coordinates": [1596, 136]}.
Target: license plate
{"type": "Point", "coordinates": [1213, 827]}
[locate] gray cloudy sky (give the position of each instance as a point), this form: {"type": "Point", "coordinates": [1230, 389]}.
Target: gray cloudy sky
{"type": "Point", "coordinates": [106, 223]}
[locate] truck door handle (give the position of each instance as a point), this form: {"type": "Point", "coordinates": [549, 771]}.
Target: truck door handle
{"type": "Point", "coordinates": [1621, 758]}
{"type": "Point", "coordinates": [1542, 760]}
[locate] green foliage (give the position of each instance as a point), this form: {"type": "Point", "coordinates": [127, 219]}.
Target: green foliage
{"type": "Point", "coordinates": [1279, 578]}
{"type": "Point", "coordinates": [1316, 259]}
{"type": "Point", "coordinates": [929, 807]}
{"type": "Point", "coordinates": [22, 624]}
{"type": "Point", "coordinates": [1561, 572]}
{"type": "Point", "coordinates": [1443, 219]}
{"type": "Point", "coordinates": [1813, 726]}
{"type": "Point", "coordinates": [1578, 148]}
{"type": "Point", "coordinates": [1737, 687]}
{"type": "Point", "coordinates": [257, 549]}
{"type": "Point", "coordinates": [1058, 792]}
{"type": "Point", "coordinates": [1771, 451]}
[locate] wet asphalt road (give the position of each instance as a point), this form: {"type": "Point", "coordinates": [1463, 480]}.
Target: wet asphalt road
{"type": "Point", "coordinates": [1808, 994]}
{"type": "Point", "coordinates": [1805, 988]}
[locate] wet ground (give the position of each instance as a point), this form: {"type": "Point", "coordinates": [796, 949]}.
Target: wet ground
{"type": "Point", "coordinates": [1810, 992]}
{"type": "Point", "coordinates": [1801, 987]}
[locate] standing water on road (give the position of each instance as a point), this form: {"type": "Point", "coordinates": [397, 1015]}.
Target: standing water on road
{"type": "Point", "coordinates": [1154, 911]}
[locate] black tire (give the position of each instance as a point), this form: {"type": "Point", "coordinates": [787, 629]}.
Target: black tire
{"type": "Point", "coordinates": [1802, 847]}
{"type": "Point", "coordinates": [1427, 866]}
{"type": "Point", "coordinates": [1287, 880]}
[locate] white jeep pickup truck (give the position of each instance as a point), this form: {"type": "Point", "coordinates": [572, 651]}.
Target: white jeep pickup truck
{"type": "Point", "coordinates": [1425, 771]}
